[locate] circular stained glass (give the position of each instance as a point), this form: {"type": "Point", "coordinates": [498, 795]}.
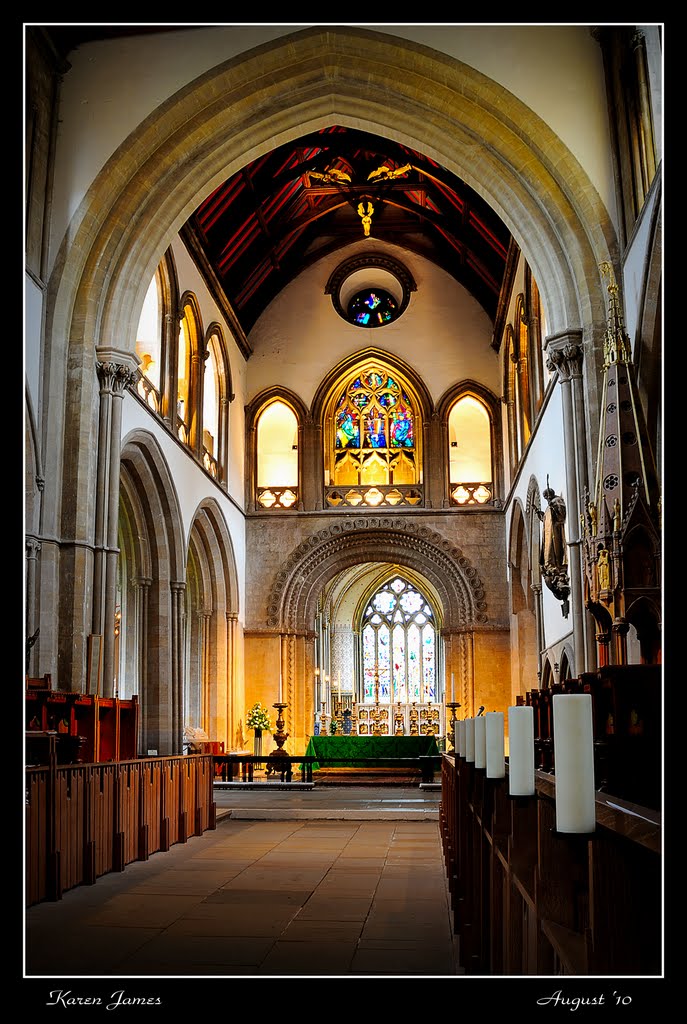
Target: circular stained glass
{"type": "Point", "coordinates": [372, 308]}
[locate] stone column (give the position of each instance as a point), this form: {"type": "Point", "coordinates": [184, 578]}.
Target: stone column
{"type": "Point", "coordinates": [620, 629]}
{"type": "Point", "coordinates": [435, 463]}
{"type": "Point", "coordinates": [32, 548]}
{"type": "Point", "coordinates": [141, 585]}
{"type": "Point", "coordinates": [178, 591]}
{"type": "Point", "coordinates": [564, 353]}
{"type": "Point", "coordinates": [231, 697]}
{"type": "Point", "coordinates": [311, 466]}
{"type": "Point", "coordinates": [114, 379]}
{"type": "Point", "coordinates": [168, 377]}
{"type": "Point", "coordinates": [539, 625]}
{"type": "Point", "coordinates": [204, 620]}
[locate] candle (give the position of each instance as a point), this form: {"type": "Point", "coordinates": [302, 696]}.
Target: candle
{"type": "Point", "coordinates": [573, 754]}
{"type": "Point", "coordinates": [280, 687]}
{"type": "Point", "coordinates": [496, 762]}
{"type": "Point", "coordinates": [469, 739]}
{"type": "Point", "coordinates": [461, 737]}
{"type": "Point", "coordinates": [480, 742]}
{"type": "Point", "coordinates": [452, 690]}
{"type": "Point", "coordinates": [521, 751]}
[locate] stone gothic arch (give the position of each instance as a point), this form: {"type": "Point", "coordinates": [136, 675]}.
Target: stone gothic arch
{"type": "Point", "coordinates": [152, 583]}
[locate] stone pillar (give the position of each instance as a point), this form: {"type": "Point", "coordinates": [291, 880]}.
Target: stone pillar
{"type": "Point", "coordinates": [435, 463]}
{"type": "Point", "coordinates": [178, 591]}
{"type": "Point", "coordinates": [114, 378]}
{"type": "Point", "coordinates": [620, 629]}
{"type": "Point", "coordinates": [204, 620]}
{"type": "Point", "coordinates": [539, 625]}
{"type": "Point", "coordinates": [168, 377]}
{"type": "Point", "coordinates": [223, 439]}
{"type": "Point", "coordinates": [32, 548]}
{"type": "Point", "coordinates": [565, 356]}
{"type": "Point", "coordinates": [231, 696]}
{"type": "Point", "coordinates": [141, 585]}
{"type": "Point", "coordinates": [311, 466]}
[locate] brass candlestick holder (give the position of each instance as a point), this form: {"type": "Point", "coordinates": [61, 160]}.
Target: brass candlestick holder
{"type": "Point", "coordinates": [453, 705]}
{"type": "Point", "coordinates": [278, 761]}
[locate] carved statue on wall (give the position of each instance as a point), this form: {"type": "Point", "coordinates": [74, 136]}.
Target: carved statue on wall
{"type": "Point", "coordinates": [554, 554]}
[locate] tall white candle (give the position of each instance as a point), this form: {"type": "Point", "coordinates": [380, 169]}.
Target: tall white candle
{"type": "Point", "coordinates": [521, 751]}
{"type": "Point", "coordinates": [460, 726]}
{"type": "Point", "coordinates": [496, 762]}
{"type": "Point", "coordinates": [280, 686]}
{"type": "Point", "coordinates": [480, 742]}
{"type": "Point", "coordinates": [573, 755]}
{"type": "Point", "coordinates": [469, 739]}
{"type": "Point", "coordinates": [452, 689]}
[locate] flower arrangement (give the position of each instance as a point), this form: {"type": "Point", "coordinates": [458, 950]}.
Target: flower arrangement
{"type": "Point", "coordinates": [258, 717]}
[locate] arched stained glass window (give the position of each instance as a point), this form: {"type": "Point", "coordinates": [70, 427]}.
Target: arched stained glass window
{"type": "Point", "coordinates": [374, 436]}
{"type": "Point", "coordinates": [399, 646]}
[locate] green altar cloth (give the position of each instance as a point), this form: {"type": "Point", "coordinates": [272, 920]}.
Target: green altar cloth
{"type": "Point", "coordinates": [347, 748]}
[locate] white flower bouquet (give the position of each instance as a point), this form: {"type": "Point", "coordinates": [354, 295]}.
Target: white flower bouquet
{"type": "Point", "coordinates": [258, 717]}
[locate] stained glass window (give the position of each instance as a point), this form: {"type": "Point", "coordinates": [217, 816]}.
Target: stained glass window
{"type": "Point", "coordinates": [399, 646]}
{"type": "Point", "coordinates": [374, 438]}
{"type": "Point", "coordinates": [372, 308]}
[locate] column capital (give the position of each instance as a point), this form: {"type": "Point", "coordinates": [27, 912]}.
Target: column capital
{"type": "Point", "coordinates": [115, 377]}
{"type": "Point", "coordinates": [33, 546]}
{"type": "Point", "coordinates": [564, 354]}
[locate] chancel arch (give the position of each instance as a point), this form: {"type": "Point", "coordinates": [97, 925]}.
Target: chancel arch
{"type": "Point", "coordinates": [294, 600]}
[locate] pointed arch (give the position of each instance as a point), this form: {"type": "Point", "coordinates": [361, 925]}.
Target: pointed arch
{"type": "Point", "coordinates": [525, 615]}
{"type": "Point", "coordinates": [211, 701]}
{"type": "Point", "coordinates": [152, 569]}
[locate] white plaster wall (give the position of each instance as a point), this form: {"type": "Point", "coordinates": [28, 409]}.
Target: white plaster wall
{"type": "Point", "coordinates": [546, 456]}
{"type": "Point", "coordinates": [444, 333]}
{"type": "Point", "coordinates": [114, 85]}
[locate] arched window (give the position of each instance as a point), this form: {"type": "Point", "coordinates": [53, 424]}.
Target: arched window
{"type": "Point", "coordinates": [211, 406]}
{"type": "Point", "coordinates": [148, 347]}
{"type": "Point", "coordinates": [399, 646]}
{"type": "Point", "coordinates": [372, 442]}
{"type": "Point", "coordinates": [190, 355]}
{"type": "Point", "coordinates": [470, 454]}
{"type": "Point", "coordinates": [277, 456]}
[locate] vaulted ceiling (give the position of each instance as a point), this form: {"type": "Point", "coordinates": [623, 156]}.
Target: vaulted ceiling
{"type": "Point", "coordinates": [303, 200]}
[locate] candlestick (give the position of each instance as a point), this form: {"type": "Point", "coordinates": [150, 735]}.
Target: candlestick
{"type": "Point", "coordinates": [521, 750]}
{"type": "Point", "coordinates": [573, 752]}
{"type": "Point", "coordinates": [496, 762]}
{"type": "Point", "coordinates": [480, 742]}
{"type": "Point", "coordinates": [470, 739]}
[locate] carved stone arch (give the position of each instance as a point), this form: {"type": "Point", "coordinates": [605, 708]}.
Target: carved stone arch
{"type": "Point", "coordinates": [153, 586]}
{"type": "Point", "coordinates": [519, 559]}
{"type": "Point", "coordinates": [566, 669]}
{"type": "Point", "coordinates": [295, 591]}
{"type": "Point", "coordinates": [209, 531]}
{"type": "Point", "coordinates": [209, 697]}
{"type": "Point", "coordinates": [147, 471]}
{"type": "Point", "coordinates": [533, 502]}
{"type": "Point", "coordinates": [525, 609]}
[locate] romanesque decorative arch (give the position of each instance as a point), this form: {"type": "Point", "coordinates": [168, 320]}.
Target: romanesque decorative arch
{"type": "Point", "coordinates": [293, 597]}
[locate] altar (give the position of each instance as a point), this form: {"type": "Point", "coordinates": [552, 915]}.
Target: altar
{"type": "Point", "coordinates": [345, 750]}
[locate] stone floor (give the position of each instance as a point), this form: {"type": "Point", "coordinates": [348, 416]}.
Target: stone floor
{"type": "Point", "coordinates": [291, 883]}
